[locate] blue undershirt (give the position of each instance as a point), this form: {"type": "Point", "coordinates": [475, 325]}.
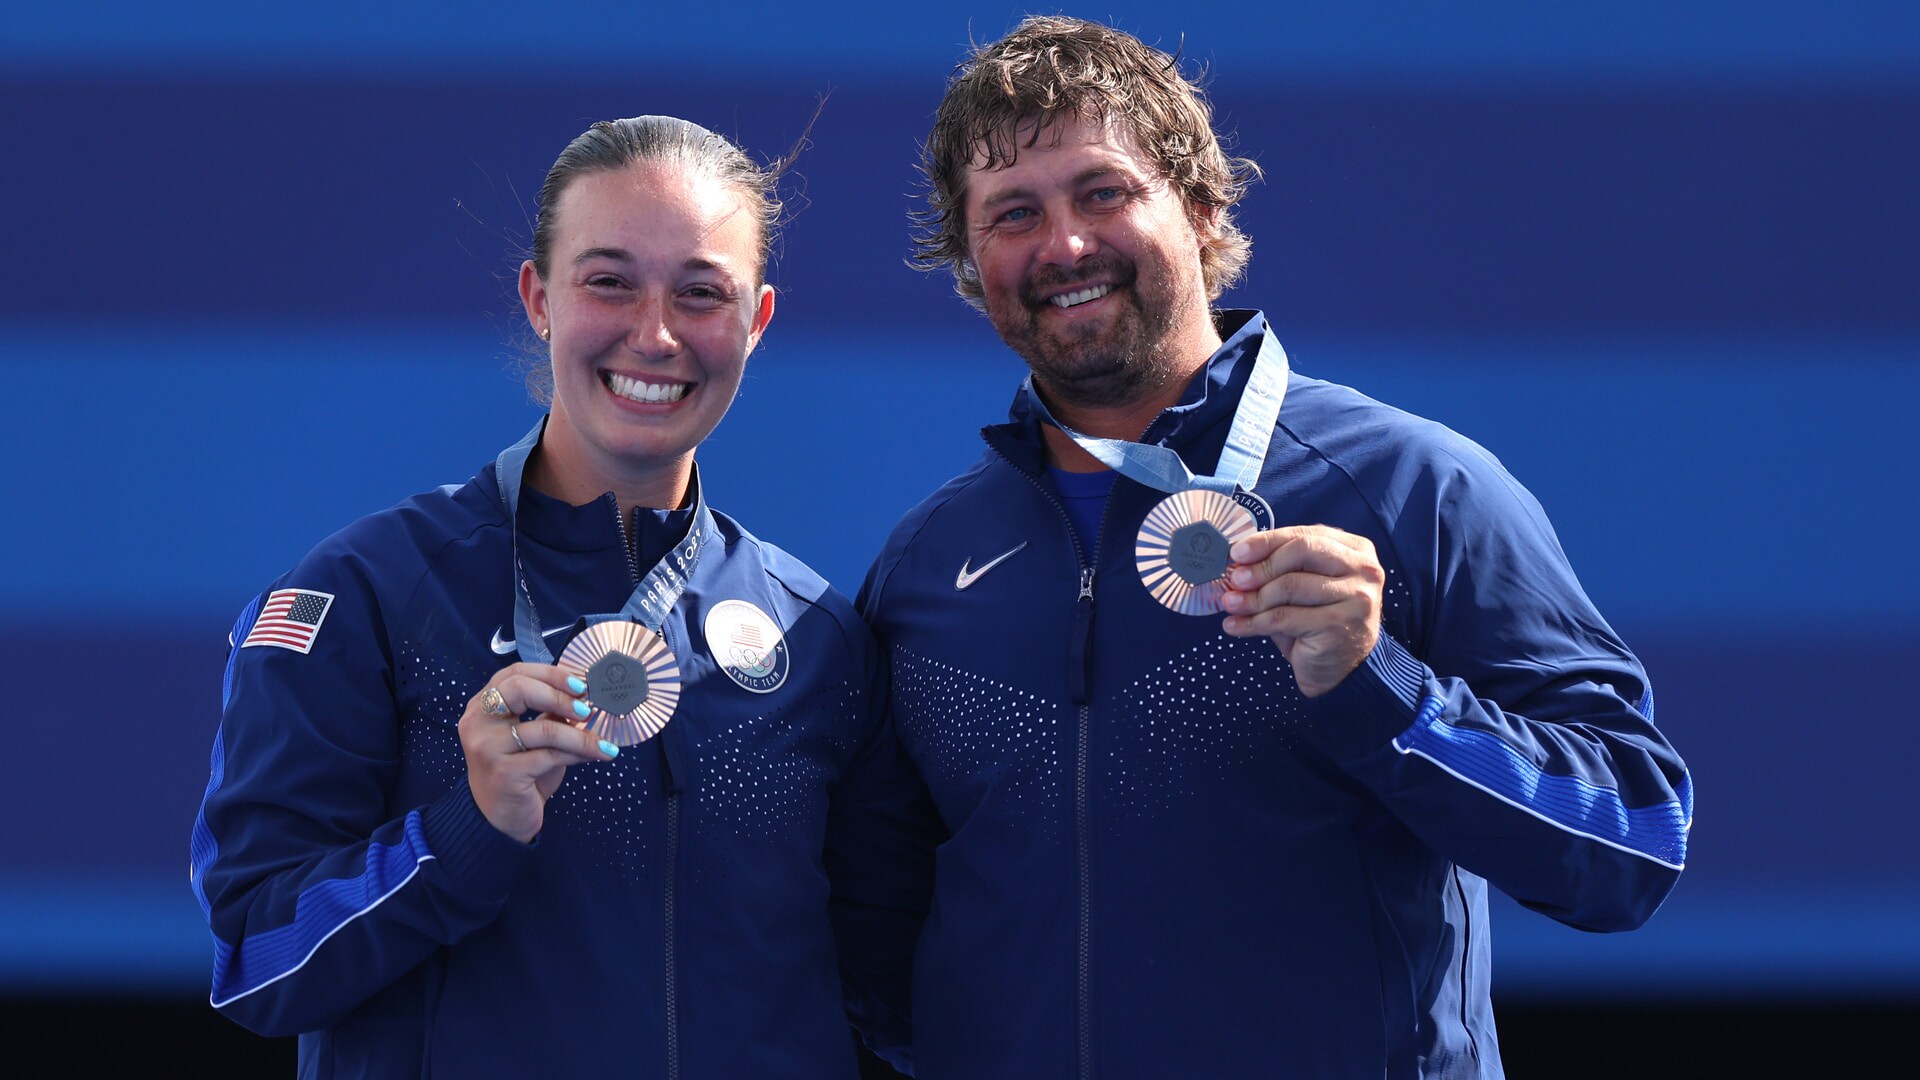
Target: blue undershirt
{"type": "Point", "coordinates": [1085, 497]}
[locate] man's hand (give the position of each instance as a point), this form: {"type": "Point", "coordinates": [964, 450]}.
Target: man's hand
{"type": "Point", "coordinates": [1313, 589]}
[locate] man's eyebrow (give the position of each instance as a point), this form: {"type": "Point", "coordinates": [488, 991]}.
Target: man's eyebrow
{"type": "Point", "coordinates": [1085, 176]}
{"type": "Point", "coordinates": [1003, 196]}
{"type": "Point", "coordinates": [1095, 172]}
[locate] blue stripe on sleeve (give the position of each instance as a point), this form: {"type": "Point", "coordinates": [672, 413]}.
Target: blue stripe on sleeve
{"type": "Point", "coordinates": [320, 912]}
{"type": "Point", "coordinates": [241, 627]}
{"type": "Point", "coordinates": [202, 849]}
{"type": "Point", "coordinates": [1685, 791]}
{"type": "Point", "coordinates": [1656, 832]}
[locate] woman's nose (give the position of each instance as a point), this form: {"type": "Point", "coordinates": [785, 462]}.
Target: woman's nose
{"type": "Point", "coordinates": [652, 335]}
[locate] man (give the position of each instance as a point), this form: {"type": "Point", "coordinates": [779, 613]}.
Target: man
{"type": "Point", "coordinates": [1184, 843]}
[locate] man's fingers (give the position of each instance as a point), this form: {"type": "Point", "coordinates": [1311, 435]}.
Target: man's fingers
{"type": "Point", "coordinates": [1261, 544]}
{"type": "Point", "coordinates": [1315, 549]}
{"type": "Point", "coordinates": [1286, 624]}
{"type": "Point", "coordinates": [1296, 589]}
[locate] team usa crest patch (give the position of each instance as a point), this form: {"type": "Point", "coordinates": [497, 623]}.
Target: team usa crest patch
{"type": "Point", "coordinates": [748, 645]}
{"type": "Point", "coordinates": [290, 619]}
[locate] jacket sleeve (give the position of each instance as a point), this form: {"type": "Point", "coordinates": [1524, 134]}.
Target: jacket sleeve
{"type": "Point", "coordinates": [1502, 720]}
{"type": "Point", "coordinates": [317, 890]}
{"type": "Point", "coordinates": [881, 832]}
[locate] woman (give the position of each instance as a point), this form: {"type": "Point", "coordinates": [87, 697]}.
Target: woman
{"type": "Point", "coordinates": [432, 850]}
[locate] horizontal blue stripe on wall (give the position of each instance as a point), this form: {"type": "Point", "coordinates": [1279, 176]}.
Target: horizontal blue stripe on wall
{"type": "Point", "coordinates": [179, 470]}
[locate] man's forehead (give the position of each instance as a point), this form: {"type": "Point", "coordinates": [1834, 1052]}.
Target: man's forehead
{"type": "Point", "coordinates": [1002, 148]}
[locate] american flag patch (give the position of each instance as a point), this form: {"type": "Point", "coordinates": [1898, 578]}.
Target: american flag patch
{"type": "Point", "coordinates": [289, 619]}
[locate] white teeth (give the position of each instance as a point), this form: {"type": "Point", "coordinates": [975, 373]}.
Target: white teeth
{"type": "Point", "coordinates": [1074, 299]}
{"type": "Point", "coordinates": [635, 390]}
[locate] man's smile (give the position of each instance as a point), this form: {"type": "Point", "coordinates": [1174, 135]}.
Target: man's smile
{"type": "Point", "coordinates": [1082, 296]}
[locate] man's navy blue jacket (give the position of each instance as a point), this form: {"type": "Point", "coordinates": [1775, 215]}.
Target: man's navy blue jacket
{"type": "Point", "coordinates": [1163, 860]}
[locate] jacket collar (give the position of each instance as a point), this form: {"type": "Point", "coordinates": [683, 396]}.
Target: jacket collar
{"type": "Point", "coordinates": [595, 525]}
{"type": "Point", "coordinates": [1208, 402]}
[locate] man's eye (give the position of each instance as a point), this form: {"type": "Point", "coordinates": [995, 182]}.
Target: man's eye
{"type": "Point", "coordinates": [603, 281]}
{"type": "Point", "coordinates": [1105, 194]}
{"type": "Point", "coordinates": [1018, 213]}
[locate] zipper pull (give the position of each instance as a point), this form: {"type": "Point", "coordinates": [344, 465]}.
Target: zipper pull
{"type": "Point", "coordinates": [1079, 647]}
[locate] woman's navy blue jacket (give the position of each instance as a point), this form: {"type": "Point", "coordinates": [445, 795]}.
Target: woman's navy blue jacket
{"type": "Point", "coordinates": [689, 908]}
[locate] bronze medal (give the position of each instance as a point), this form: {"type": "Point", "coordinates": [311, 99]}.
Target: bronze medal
{"type": "Point", "coordinates": [1182, 548]}
{"type": "Point", "coordinates": [633, 681]}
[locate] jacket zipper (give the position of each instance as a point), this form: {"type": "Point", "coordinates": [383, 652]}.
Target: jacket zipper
{"type": "Point", "coordinates": [626, 539]}
{"type": "Point", "coordinates": [1079, 654]}
{"type": "Point", "coordinates": [1082, 811]}
{"type": "Point", "coordinates": [672, 987]}
{"type": "Point", "coordinates": [669, 976]}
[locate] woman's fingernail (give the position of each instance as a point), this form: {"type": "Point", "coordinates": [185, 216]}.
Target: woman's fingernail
{"type": "Point", "coordinates": [582, 709]}
{"type": "Point", "coordinates": [576, 684]}
{"type": "Point", "coordinates": [609, 749]}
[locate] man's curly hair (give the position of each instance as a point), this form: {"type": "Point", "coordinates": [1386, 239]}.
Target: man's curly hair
{"type": "Point", "coordinates": [1008, 93]}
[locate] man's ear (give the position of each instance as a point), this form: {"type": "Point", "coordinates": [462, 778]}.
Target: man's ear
{"type": "Point", "coordinates": [1206, 222]}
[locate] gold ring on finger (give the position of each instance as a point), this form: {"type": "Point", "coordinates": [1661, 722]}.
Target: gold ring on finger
{"type": "Point", "coordinates": [494, 703]}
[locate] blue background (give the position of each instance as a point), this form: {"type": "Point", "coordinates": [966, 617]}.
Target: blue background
{"type": "Point", "coordinates": [256, 279]}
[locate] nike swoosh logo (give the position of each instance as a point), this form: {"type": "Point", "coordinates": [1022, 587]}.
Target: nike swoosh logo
{"type": "Point", "coordinates": [507, 646]}
{"type": "Point", "coordinates": [968, 576]}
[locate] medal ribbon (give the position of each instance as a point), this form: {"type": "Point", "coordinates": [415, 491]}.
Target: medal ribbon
{"type": "Point", "coordinates": [1161, 468]}
{"type": "Point", "coordinates": [652, 599]}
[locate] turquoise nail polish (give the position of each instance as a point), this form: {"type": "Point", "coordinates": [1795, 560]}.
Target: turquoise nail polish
{"type": "Point", "coordinates": [582, 709]}
{"type": "Point", "coordinates": [576, 684]}
{"type": "Point", "coordinates": [609, 749]}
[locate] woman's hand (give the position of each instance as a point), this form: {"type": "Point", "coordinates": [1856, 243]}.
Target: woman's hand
{"type": "Point", "coordinates": [514, 765]}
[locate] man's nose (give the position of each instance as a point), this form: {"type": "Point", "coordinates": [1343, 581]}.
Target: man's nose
{"type": "Point", "coordinates": [1069, 238]}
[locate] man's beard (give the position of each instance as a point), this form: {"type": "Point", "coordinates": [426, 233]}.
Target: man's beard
{"type": "Point", "coordinates": [1120, 361]}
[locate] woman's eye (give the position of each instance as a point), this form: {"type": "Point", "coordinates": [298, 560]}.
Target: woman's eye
{"type": "Point", "coordinates": [1017, 214]}
{"type": "Point", "coordinates": [1107, 194]}
{"type": "Point", "coordinates": [603, 281]}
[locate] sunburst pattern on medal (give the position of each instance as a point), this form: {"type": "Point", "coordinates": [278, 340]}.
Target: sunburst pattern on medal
{"type": "Point", "coordinates": [1176, 511]}
{"type": "Point", "coordinates": [646, 719]}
